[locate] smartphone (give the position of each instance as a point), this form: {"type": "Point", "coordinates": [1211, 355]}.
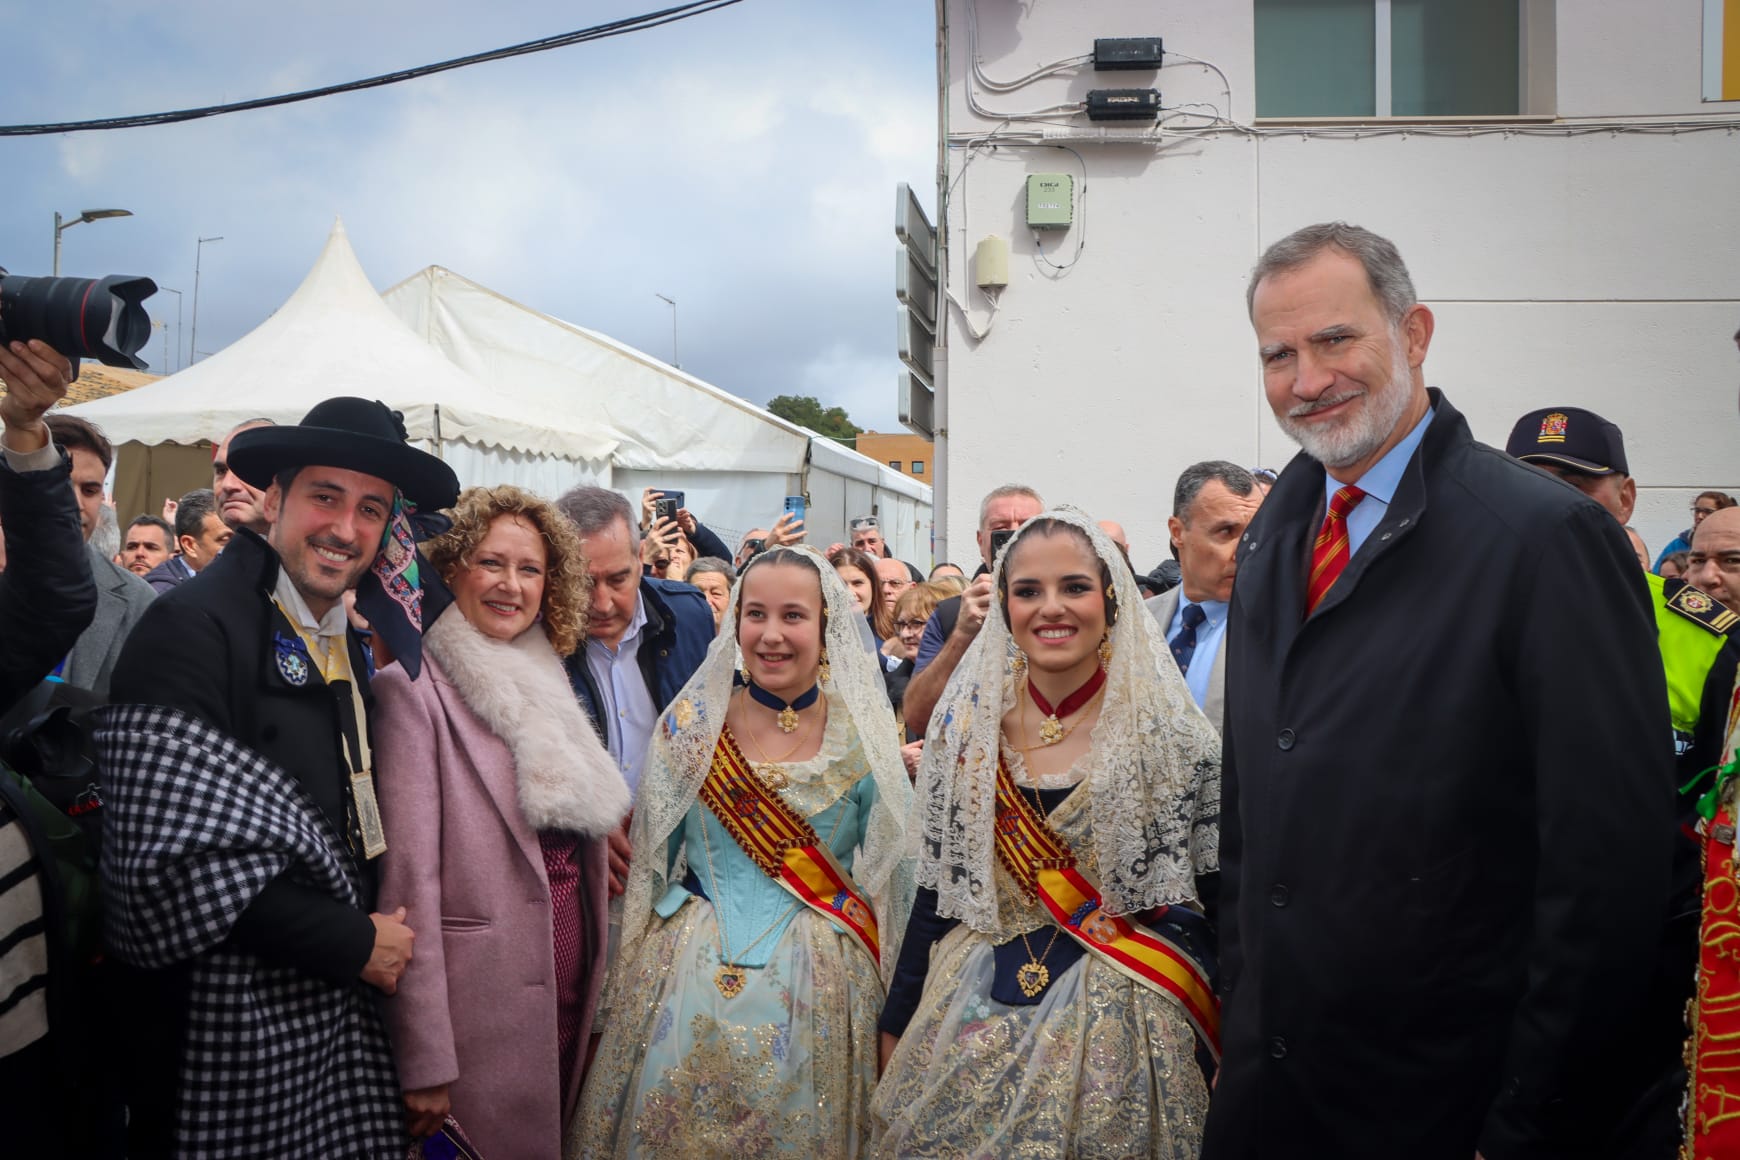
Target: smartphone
{"type": "Point", "coordinates": [999, 538]}
{"type": "Point", "coordinates": [796, 505]}
{"type": "Point", "coordinates": [665, 507]}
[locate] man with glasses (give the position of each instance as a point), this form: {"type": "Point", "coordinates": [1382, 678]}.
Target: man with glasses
{"type": "Point", "coordinates": [867, 536]}
{"type": "Point", "coordinates": [1707, 504]}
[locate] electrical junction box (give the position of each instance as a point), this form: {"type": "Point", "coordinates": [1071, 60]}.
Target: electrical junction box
{"type": "Point", "coordinates": [991, 263]}
{"type": "Point", "coordinates": [1123, 104]}
{"type": "Point", "coordinates": [1127, 52]}
{"type": "Point", "coordinates": [1050, 201]}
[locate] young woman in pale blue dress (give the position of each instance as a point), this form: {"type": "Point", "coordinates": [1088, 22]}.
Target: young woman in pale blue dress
{"type": "Point", "coordinates": [767, 889]}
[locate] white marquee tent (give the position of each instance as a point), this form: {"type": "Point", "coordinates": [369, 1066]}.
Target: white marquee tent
{"type": "Point", "coordinates": [504, 395]}
{"type": "Point", "coordinates": [734, 461]}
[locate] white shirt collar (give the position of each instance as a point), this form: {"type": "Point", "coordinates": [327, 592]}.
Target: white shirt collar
{"type": "Point", "coordinates": [290, 599]}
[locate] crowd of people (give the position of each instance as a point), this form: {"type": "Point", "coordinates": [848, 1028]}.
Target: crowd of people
{"type": "Point", "coordinates": [350, 813]}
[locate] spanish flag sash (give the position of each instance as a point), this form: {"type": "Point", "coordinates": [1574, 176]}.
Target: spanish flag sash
{"type": "Point", "coordinates": [784, 844]}
{"type": "Point", "coordinates": [1044, 866]}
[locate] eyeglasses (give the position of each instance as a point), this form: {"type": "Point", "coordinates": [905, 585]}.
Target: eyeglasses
{"type": "Point", "coordinates": [1703, 511]}
{"type": "Point", "coordinates": [904, 625]}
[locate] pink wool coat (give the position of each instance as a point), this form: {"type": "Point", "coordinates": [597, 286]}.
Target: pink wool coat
{"type": "Point", "coordinates": [485, 748]}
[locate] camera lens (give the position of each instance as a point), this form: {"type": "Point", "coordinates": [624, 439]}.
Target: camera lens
{"type": "Point", "coordinates": [100, 318]}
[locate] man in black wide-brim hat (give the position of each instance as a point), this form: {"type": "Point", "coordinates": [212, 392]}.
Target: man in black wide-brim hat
{"type": "Point", "coordinates": [241, 821]}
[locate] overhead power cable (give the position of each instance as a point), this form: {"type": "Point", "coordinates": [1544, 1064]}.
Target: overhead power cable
{"type": "Point", "coordinates": [597, 32]}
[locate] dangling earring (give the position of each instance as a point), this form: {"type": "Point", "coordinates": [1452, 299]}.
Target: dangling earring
{"type": "Point", "coordinates": [825, 675]}
{"type": "Point", "coordinates": [1018, 664]}
{"type": "Point", "coordinates": [1105, 653]}
{"type": "Point", "coordinates": [745, 672]}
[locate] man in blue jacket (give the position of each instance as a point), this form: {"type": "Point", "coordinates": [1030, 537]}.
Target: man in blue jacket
{"type": "Point", "coordinates": [644, 639]}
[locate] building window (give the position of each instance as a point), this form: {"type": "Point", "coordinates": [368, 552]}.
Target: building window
{"type": "Point", "coordinates": [894, 463]}
{"type": "Point", "coordinates": [918, 467]}
{"type": "Point", "coordinates": [1395, 58]}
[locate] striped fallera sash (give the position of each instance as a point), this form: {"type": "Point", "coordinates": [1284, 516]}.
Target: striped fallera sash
{"type": "Point", "coordinates": [1044, 866]}
{"type": "Point", "coordinates": [784, 845]}
{"type": "Point", "coordinates": [1713, 1054]}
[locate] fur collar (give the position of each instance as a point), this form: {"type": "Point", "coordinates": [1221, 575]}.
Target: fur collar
{"type": "Point", "coordinates": [518, 688]}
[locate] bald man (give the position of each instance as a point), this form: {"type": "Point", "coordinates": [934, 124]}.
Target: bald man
{"type": "Point", "coordinates": [1713, 564]}
{"type": "Point", "coordinates": [1115, 533]}
{"type": "Point", "coordinates": [239, 504]}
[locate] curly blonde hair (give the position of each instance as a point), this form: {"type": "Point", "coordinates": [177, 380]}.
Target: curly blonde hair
{"type": "Point", "coordinates": [567, 587]}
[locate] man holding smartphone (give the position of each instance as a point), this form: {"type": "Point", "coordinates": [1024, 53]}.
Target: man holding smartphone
{"type": "Point", "coordinates": [958, 619]}
{"type": "Point", "coordinates": [662, 515]}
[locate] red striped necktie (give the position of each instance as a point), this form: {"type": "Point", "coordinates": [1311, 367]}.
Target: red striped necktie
{"type": "Point", "coordinates": [1330, 554]}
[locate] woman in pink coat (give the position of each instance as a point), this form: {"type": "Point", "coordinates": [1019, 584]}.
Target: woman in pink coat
{"type": "Point", "coordinates": [496, 796]}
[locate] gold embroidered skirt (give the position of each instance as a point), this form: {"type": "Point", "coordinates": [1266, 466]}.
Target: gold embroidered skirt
{"type": "Point", "coordinates": [784, 1068]}
{"type": "Point", "coordinates": [1101, 1066]}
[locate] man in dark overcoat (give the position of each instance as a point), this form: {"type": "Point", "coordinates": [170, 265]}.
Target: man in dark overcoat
{"type": "Point", "coordinates": [238, 863]}
{"type": "Point", "coordinates": [1446, 829]}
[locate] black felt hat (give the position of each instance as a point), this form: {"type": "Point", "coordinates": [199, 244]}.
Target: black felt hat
{"type": "Point", "coordinates": [356, 434]}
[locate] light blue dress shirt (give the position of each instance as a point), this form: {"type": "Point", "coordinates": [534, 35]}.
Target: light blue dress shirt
{"type": "Point", "coordinates": [1379, 484]}
{"type": "Point", "coordinates": [625, 703]}
{"type": "Point", "coordinates": [1209, 635]}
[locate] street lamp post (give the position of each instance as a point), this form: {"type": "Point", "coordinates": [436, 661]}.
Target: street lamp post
{"type": "Point", "coordinates": [89, 215]}
{"type": "Point", "coordinates": [178, 331]}
{"type": "Point", "coordinates": [193, 339]}
{"type": "Point", "coordinates": [672, 303]}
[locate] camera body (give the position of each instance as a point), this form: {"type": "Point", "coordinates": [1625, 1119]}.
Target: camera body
{"type": "Point", "coordinates": [100, 318]}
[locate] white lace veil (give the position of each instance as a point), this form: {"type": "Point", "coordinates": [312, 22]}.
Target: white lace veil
{"type": "Point", "coordinates": [687, 732]}
{"type": "Point", "coordinates": [1153, 771]}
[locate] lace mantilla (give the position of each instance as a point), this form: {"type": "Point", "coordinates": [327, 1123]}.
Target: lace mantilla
{"type": "Point", "coordinates": [682, 753]}
{"type": "Point", "coordinates": [1152, 782]}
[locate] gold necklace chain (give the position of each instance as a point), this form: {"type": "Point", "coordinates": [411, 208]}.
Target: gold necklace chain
{"type": "Point", "coordinates": [729, 978]}
{"type": "Point", "coordinates": [771, 772]}
{"type": "Point", "coordinates": [809, 722]}
{"type": "Point", "coordinates": [1034, 976]}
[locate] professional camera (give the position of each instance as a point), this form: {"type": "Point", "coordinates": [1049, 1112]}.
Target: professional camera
{"type": "Point", "coordinates": [100, 318]}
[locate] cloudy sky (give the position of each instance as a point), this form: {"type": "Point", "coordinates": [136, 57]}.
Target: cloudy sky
{"type": "Point", "coordinates": [742, 162]}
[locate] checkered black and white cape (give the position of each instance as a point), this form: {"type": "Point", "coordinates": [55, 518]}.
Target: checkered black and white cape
{"type": "Point", "coordinates": [273, 1062]}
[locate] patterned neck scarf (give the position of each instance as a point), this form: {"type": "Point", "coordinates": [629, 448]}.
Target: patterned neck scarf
{"type": "Point", "coordinates": [400, 594]}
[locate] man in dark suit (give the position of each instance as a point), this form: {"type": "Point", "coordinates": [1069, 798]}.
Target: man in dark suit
{"type": "Point", "coordinates": [121, 596]}
{"type": "Point", "coordinates": [645, 637]}
{"type": "Point", "coordinates": [1211, 506]}
{"type": "Point", "coordinates": [1447, 816]}
{"type": "Point", "coordinates": [237, 755]}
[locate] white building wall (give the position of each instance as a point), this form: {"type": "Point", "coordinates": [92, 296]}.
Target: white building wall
{"type": "Point", "coordinates": [1599, 270]}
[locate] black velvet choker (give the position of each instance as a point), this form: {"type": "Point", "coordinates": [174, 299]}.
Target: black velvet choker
{"type": "Point", "coordinates": [788, 713]}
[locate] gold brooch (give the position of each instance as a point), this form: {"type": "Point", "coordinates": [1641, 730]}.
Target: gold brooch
{"type": "Point", "coordinates": [1032, 978]}
{"type": "Point", "coordinates": [729, 980]}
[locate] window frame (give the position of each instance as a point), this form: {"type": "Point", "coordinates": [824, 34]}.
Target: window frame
{"type": "Point", "coordinates": [1537, 69]}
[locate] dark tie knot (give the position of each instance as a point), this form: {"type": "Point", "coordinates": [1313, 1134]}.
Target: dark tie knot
{"type": "Point", "coordinates": [1193, 615]}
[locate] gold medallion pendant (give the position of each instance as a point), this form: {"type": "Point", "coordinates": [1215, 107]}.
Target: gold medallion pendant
{"type": "Point", "coordinates": [772, 776]}
{"type": "Point", "coordinates": [1032, 978]}
{"type": "Point", "coordinates": [1050, 731]}
{"type": "Point", "coordinates": [788, 720]}
{"type": "Point", "coordinates": [730, 980]}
